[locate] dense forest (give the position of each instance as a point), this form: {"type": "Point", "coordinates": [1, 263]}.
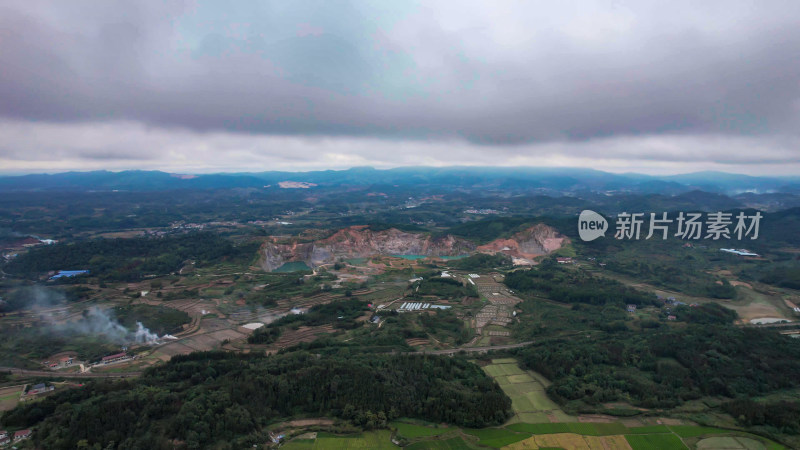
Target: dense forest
{"type": "Point", "coordinates": [771, 417]}
{"type": "Point", "coordinates": [128, 259]}
{"type": "Point", "coordinates": [576, 286]}
{"type": "Point", "coordinates": [786, 276]}
{"type": "Point", "coordinates": [228, 401]}
{"type": "Point", "coordinates": [666, 366]}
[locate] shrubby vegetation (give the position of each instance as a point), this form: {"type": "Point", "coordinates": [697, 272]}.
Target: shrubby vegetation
{"type": "Point", "coordinates": [264, 335]}
{"type": "Point", "coordinates": [707, 313]}
{"type": "Point", "coordinates": [447, 288]}
{"type": "Point", "coordinates": [445, 325]}
{"type": "Point", "coordinates": [486, 230]}
{"type": "Point", "coordinates": [223, 400]}
{"type": "Point", "coordinates": [482, 261]}
{"type": "Point", "coordinates": [159, 319]}
{"type": "Point", "coordinates": [41, 340]}
{"type": "Point", "coordinates": [341, 313]}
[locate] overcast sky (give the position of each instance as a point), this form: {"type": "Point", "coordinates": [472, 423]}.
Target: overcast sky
{"type": "Point", "coordinates": [619, 85]}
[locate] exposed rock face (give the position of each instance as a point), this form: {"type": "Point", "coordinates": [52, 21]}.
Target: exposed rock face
{"type": "Point", "coordinates": [361, 242]}
{"type": "Point", "coordinates": [537, 240]}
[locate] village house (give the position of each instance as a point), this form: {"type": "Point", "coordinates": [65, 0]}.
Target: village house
{"type": "Point", "coordinates": [113, 358]}
{"type": "Point", "coordinates": [21, 434]}
{"type": "Point", "coordinates": [631, 308]}
{"type": "Point", "coordinates": [40, 388]}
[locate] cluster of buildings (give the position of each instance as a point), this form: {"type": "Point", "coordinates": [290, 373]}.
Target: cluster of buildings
{"type": "Point", "coordinates": [10, 250]}
{"type": "Point", "coordinates": [68, 274]}
{"type": "Point", "coordinates": [416, 306]}
{"type": "Point", "coordinates": [201, 226]}
{"type": "Point", "coordinates": [6, 439]}
{"type": "Point", "coordinates": [64, 361]}
{"type": "Point", "coordinates": [40, 388]}
{"type": "Point", "coordinates": [114, 358]}
{"type": "Point", "coordinates": [740, 252]}
{"type": "Point", "coordinates": [484, 211]}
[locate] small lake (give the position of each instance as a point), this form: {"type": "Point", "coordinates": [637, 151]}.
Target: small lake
{"type": "Point", "coordinates": [411, 257]}
{"type": "Point", "coordinates": [416, 257]}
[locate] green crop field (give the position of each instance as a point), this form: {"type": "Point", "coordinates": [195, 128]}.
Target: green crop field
{"type": "Point", "coordinates": [692, 431]}
{"type": "Point", "coordinates": [448, 444]}
{"type": "Point", "coordinates": [655, 442]}
{"type": "Point", "coordinates": [648, 429]}
{"type": "Point", "coordinates": [412, 431]}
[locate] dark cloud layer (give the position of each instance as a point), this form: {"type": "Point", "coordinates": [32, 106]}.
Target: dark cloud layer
{"type": "Point", "coordinates": [488, 73]}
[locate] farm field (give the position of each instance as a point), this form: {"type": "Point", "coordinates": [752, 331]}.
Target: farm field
{"type": "Point", "coordinates": [497, 437]}
{"type": "Point", "coordinates": [751, 304]}
{"type": "Point", "coordinates": [412, 431]}
{"type": "Point", "coordinates": [9, 397]}
{"type": "Point", "coordinates": [455, 443]}
{"type": "Point", "coordinates": [368, 440]}
{"type": "Point", "coordinates": [730, 443]}
{"type": "Point", "coordinates": [527, 392]}
{"type": "Point", "coordinates": [571, 441]}
{"type": "Point", "coordinates": [655, 441]}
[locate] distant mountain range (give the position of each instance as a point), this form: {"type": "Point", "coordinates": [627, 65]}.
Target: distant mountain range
{"type": "Point", "coordinates": [552, 181]}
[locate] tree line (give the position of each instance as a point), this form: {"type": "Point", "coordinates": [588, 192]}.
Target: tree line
{"type": "Point", "coordinates": [224, 400]}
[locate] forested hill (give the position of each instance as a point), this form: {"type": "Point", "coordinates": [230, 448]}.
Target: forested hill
{"type": "Point", "coordinates": [663, 368]}
{"type": "Point", "coordinates": [224, 400]}
{"type": "Point", "coordinates": [128, 259]}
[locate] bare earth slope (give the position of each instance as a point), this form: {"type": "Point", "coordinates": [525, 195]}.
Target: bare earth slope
{"type": "Point", "coordinates": [537, 240]}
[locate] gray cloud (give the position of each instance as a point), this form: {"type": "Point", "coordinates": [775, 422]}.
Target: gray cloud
{"type": "Point", "coordinates": [496, 79]}
{"type": "Point", "coordinates": [27, 146]}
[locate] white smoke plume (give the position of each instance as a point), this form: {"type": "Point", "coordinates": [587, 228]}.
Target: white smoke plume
{"type": "Point", "coordinates": [98, 322]}
{"type": "Point", "coordinates": [94, 321]}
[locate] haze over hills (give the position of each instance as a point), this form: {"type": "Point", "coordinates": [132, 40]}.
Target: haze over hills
{"type": "Point", "coordinates": [545, 180]}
